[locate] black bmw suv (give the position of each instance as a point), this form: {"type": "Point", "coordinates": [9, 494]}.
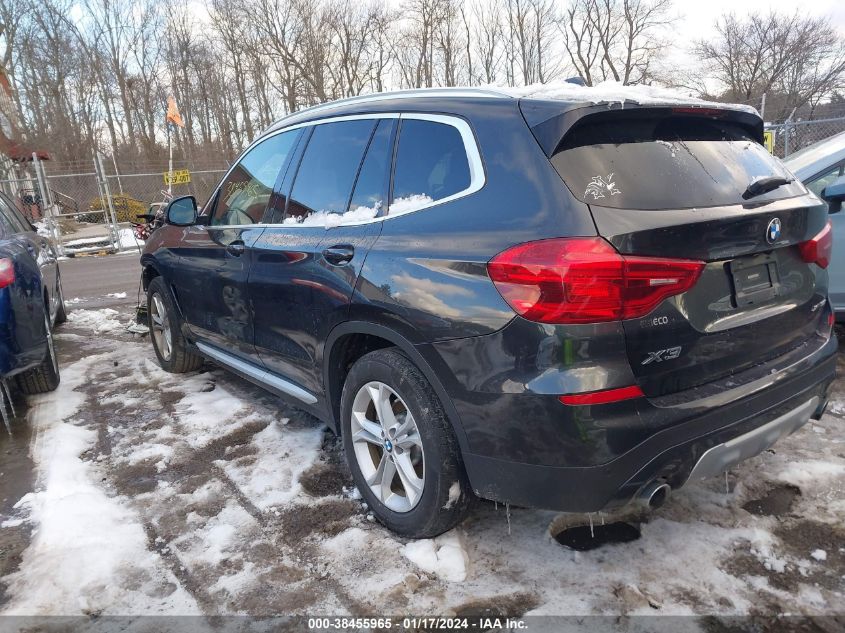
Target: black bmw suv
{"type": "Point", "coordinates": [567, 304]}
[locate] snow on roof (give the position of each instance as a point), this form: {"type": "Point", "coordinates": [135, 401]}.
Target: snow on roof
{"type": "Point", "coordinates": [605, 92]}
{"type": "Point", "coordinates": [609, 92]}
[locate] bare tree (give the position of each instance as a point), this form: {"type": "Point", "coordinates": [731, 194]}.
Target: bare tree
{"type": "Point", "coordinates": [531, 27]}
{"type": "Point", "coordinates": [615, 40]}
{"type": "Point", "coordinates": [795, 59]}
{"type": "Point", "coordinates": [487, 39]}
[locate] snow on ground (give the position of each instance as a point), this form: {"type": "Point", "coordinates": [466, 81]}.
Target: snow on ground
{"type": "Point", "coordinates": [201, 492]}
{"type": "Point", "coordinates": [99, 321]}
{"type": "Point", "coordinates": [89, 553]}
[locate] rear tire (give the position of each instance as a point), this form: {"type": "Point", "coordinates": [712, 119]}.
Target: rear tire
{"type": "Point", "coordinates": [45, 377]}
{"type": "Point", "coordinates": [61, 313]}
{"type": "Point", "coordinates": [408, 469]}
{"type": "Point", "coordinates": [171, 348]}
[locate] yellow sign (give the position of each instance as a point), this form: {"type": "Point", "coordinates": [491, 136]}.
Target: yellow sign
{"type": "Point", "coordinates": [177, 177]}
{"type": "Point", "coordinates": [769, 141]}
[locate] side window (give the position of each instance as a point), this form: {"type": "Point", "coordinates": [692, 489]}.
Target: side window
{"type": "Point", "coordinates": [244, 193]}
{"type": "Point", "coordinates": [15, 216]}
{"type": "Point", "coordinates": [9, 226]}
{"type": "Point", "coordinates": [373, 179]}
{"type": "Point", "coordinates": [431, 164]}
{"type": "Point", "coordinates": [327, 171]}
{"type": "Point", "coordinates": [823, 180]}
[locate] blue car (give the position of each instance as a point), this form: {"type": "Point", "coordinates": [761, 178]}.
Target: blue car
{"type": "Point", "coordinates": [31, 303]}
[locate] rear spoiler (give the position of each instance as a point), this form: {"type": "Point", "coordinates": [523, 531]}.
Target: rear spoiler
{"type": "Point", "coordinates": [551, 120]}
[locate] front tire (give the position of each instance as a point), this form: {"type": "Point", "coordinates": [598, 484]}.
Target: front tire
{"type": "Point", "coordinates": [61, 313]}
{"type": "Point", "coordinates": [171, 348]}
{"type": "Point", "coordinates": [401, 448]}
{"type": "Point", "coordinates": [45, 377]}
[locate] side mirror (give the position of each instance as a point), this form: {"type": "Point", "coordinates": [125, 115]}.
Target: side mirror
{"type": "Point", "coordinates": [182, 211]}
{"type": "Point", "coordinates": [834, 194]}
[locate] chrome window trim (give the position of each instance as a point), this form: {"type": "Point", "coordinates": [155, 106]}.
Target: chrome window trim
{"type": "Point", "coordinates": [414, 93]}
{"type": "Point", "coordinates": [476, 166]}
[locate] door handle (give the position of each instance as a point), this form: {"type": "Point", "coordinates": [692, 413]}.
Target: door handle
{"type": "Point", "coordinates": [339, 254]}
{"type": "Point", "coordinates": [236, 248]}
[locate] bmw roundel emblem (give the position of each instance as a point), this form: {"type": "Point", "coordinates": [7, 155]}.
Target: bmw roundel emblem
{"type": "Point", "coordinates": [773, 231]}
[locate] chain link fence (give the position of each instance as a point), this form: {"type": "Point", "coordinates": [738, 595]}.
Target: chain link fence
{"type": "Point", "coordinates": [91, 208]}
{"type": "Point", "coordinates": [793, 135]}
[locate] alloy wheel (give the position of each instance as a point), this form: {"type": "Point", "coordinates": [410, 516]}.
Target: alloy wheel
{"type": "Point", "coordinates": [388, 447]}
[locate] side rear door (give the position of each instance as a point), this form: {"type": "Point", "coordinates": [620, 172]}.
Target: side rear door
{"type": "Point", "coordinates": [306, 264]}
{"type": "Point", "coordinates": [215, 258]}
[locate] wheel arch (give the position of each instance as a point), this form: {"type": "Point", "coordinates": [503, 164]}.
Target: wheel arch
{"type": "Point", "coordinates": [149, 271]}
{"type": "Point", "coordinates": [336, 364]}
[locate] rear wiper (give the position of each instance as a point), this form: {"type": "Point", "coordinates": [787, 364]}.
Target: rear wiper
{"type": "Point", "coordinates": [764, 185]}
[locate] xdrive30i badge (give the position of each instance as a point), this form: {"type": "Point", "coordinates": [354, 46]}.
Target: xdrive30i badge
{"type": "Point", "coordinates": [773, 231]}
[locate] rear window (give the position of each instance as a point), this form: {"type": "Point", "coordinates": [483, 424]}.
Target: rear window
{"type": "Point", "coordinates": [664, 162]}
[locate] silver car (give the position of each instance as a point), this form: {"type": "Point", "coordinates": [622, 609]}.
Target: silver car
{"type": "Point", "coordinates": [821, 167]}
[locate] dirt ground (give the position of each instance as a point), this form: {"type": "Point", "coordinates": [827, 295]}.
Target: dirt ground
{"type": "Point", "coordinates": [133, 491]}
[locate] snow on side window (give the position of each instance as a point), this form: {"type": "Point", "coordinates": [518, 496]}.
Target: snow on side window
{"type": "Point", "coordinates": [431, 164]}
{"type": "Point", "coordinates": [370, 183]}
{"type": "Point", "coordinates": [406, 204]}
{"type": "Point", "coordinates": [331, 219]}
{"type": "Point", "coordinates": [327, 172]}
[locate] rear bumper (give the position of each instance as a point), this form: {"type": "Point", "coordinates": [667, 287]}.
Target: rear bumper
{"type": "Point", "coordinates": [716, 430]}
{"type": "Point", "coordinates": [722, 457]}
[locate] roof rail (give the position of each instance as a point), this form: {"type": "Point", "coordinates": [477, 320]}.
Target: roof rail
{"type": "Point", "coordinates": [484, 93]}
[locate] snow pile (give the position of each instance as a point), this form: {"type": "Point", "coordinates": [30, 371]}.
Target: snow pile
{"type": "Point", "coordinates": [42, 228]}
{"type": "Point", "coordinates": [444, 556]}
{"type": "Point", "coordinates": [819, 554]}
{"type": "Point", "coordinates": [100, 321]}
{"type": "Point", "coordinates": [220, 538]}
{"type": "Point", "coordinates": [127, 240]}
{"type": "Point", "coordinates": [807, 473]}
{"type": "Point", "coordinates": [608, 92]}
{"type": "Point", "coordinates": [269, 476]}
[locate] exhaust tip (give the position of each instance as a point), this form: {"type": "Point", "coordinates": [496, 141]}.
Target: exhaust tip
{"type": "Point", "coordinates": [654, 495]}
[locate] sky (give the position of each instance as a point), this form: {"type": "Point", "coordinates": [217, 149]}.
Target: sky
{"type": "Point", "coordinates": [697, 17]}
{"type": "Point", "coordinates": [696, 20]}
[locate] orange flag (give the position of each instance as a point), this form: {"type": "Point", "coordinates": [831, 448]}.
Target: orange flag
{"type": "Point", "coordinates": [173, 115]}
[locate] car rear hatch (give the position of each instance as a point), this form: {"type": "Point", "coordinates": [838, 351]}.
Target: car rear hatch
{"type": "Point", "coordinates": [688, 183]}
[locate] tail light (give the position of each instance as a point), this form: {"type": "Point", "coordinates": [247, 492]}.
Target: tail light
{"type": "Point", "coordinates": [817, 250]}
{"type": "Point", "coordinates": [7, 272]}
{"type": "Point", "coordinates": [603, 397]}
{"type": "Point", "coordinates": [585, 280]}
